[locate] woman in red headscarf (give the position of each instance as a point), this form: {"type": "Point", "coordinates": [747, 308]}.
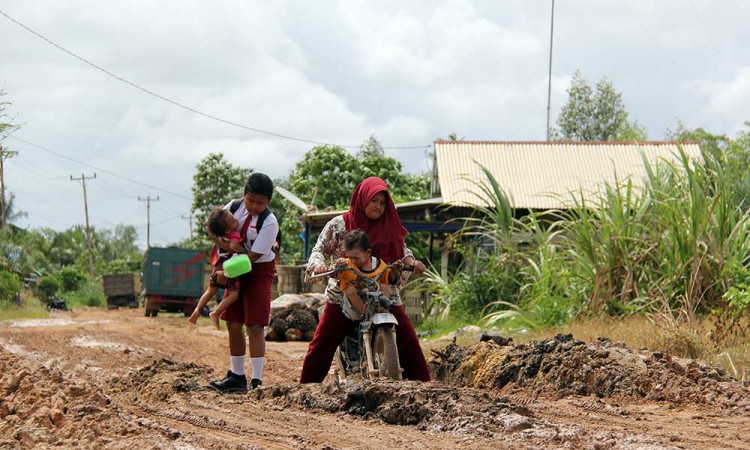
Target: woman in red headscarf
{"type": "Point", "coordinates": [371, 210]}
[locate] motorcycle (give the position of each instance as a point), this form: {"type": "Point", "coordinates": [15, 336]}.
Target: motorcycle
{"type": "Point", "coordinates": [369, 350]}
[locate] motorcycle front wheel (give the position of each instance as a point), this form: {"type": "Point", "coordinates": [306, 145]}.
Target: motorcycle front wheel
{"type": "Point", "coordinates": [339, 367]}
{"type": "Point", "coordinates": [386, 353]}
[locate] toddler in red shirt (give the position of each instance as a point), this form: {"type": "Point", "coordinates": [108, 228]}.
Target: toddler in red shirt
{"type": "Point", "coordinates": [222, 224]}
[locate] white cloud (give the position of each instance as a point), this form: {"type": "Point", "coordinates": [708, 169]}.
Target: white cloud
{"type": "Point", "coordinates": [726, 101]}
{"type": "Point", "coordinates": [330, 71]}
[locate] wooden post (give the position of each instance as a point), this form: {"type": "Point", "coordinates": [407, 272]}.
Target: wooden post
{"type": "Point", "coordinates": [88, 230]}
{"type": "Point", "coordinates": [148, 201]}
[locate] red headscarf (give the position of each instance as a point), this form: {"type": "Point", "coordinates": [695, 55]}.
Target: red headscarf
{"type": "Point", "coordinates": [386, 234]}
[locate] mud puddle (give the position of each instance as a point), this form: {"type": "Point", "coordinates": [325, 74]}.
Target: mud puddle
{"type": "Point", "coordinates": [36, 323]}
{"type": "Point", "coordinates": [89, 342]}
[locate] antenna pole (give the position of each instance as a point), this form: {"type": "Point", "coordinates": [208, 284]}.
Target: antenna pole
{"type": "Point", "coordinates": [549, 74]}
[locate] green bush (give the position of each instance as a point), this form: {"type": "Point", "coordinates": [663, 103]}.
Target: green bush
{"type": "Point", "coordinates": [47, 287]}
{"type": "Point", "coordinates": [123, 266]}
{"type": "Point", "coordinates": [494, 280]}
{"type": "Point", "coordinates": [9, 286]}
{"type": "Point", "coordinates": [71, 279]}
{"type": "Point", "coordinates": [86, 296]}
{"type": "Point", "coordinates": [677, 248]}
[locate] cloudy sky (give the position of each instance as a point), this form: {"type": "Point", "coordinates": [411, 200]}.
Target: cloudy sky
{"type": "Point", "coordinates": [118, 103]}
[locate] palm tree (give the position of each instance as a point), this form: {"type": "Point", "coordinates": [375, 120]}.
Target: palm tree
{"type": "Point", "coordinates": [9, 215]}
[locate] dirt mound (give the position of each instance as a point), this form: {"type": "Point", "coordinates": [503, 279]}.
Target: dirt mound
{"type": "Point", "coordinates": [563, 366]}
{"type": "Point", "coordinates": [159, 380]}
{"type": "Point", "coordinates": [461, 412]}
{"type": "Point", "coordinates": [456, 411]}
{"type": "Point", "coordinates": [40, 407]}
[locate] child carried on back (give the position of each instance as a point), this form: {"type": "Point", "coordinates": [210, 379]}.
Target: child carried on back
{"type": "Point", "coordinates": [222, 224]}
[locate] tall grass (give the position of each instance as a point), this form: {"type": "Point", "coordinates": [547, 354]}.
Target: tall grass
{"type": "Point", "coordinates": [29, 308]}
{"type": "Point", "coordinates": [675, 249]}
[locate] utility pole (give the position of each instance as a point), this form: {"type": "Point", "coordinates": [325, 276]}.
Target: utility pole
{"type": "Point", "coordinates": [148, 201]}
{"type": "Point", "coordinates": [3, 225]}
{"type": "Point", "coordinates": [189, 218]}
{"type": "Point", "coordinates": [4, 154]}
{"type": "Point", "coordinates": [88, 231]}
{"type": "Point", "coordinates": [549, 75]}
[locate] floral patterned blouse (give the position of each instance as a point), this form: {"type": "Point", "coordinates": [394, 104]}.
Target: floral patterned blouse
{"type": "Point", "coordinates": [330, 247]}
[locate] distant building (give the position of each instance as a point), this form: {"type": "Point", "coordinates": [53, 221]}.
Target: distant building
{"type": "Point", "coordinates": [542, 175]}
{"type": "Point", "coordinates": [536, 176]}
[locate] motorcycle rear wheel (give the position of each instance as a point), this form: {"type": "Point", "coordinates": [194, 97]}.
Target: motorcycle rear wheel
{"type": "Point", "coordinates": [386, 353]}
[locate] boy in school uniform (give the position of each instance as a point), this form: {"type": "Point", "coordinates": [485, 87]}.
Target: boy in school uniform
{"type": "Point", "coordinates": [253, 308]}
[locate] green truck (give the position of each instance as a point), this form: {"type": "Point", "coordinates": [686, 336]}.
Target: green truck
{"type": "Point", "coordinates": [173, 279]}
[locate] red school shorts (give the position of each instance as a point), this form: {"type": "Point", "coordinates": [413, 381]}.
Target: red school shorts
{"type": "Point", "coordinates": [253, 307]}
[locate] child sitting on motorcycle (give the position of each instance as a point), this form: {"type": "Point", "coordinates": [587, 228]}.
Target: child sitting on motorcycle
{"type": "Point", "coordinates": [359, 257]}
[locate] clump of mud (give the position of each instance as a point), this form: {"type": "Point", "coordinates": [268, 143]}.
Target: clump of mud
{"type": "Point", "coordinates": [42, 407]}
{"type": "Point", "coordinates": [563, 366]}
{"type": "Point", "coordinates": [395, 403]}
{"type": "Point", "coordinates": [39, 407]}
{"type": "Point", "coordinates": [162, 378]}
{"type": "Point", "coordinates": [446, 409]}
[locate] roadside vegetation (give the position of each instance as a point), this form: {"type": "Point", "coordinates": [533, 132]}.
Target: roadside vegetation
{"type": "Point", "coordinates": [666, 266]}
{"type": "Point", "coordinates": [41, 266]}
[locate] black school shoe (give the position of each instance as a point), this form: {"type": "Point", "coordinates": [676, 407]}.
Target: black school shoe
{"type": "Point", "coordinates": [232, 383]}
{"type": "Point", "coordinates": [254, 383]}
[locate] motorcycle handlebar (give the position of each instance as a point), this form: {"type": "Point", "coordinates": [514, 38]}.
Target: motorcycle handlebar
{"type": "Point", "coordinates": [338, 268]}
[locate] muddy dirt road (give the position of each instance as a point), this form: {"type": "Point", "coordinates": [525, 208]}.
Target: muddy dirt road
{"type": "Point", "coordinates": [115, 379]}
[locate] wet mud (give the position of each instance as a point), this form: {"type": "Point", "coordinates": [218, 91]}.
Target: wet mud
{"type": "Point", "coordinates": [130, 382]}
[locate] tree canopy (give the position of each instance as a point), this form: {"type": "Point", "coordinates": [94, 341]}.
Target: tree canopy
{"type": "Point", "coordinates": [215, 182]}
{"type": "Point", "coordinates": [326, 176]}
{"type": "Point", "coordinates": [595, 114]}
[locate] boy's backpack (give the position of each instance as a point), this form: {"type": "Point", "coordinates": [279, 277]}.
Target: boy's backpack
{"type": "Point", "coordinates": [259, 224]}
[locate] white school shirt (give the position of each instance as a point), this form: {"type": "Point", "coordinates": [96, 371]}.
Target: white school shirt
{"type": "Point", "coordinates": [258, 243]}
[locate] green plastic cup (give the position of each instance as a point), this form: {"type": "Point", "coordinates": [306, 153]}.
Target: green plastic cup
{"type": "Point", "coordinates": [237, 265]}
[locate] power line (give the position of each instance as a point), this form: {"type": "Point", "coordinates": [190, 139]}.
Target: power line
{"type": "Point", "coordinates": [99, 168]}
{"type": "Point", "coordinates": [167, 220]}
{"type": "Point", "coordinates": [35, 171]}
{"type": "Point", "coordinates": [50, 220]}
{"type": "Point", "coordinates": [114, 189]}
{"type": "Point", "coordinates": [49, 202]}
{"type": "Point", "coordinates": [188, 108]}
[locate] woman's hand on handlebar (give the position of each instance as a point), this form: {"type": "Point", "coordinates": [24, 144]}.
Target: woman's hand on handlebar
{"type": "Point", "coordinates": [419, 266]}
